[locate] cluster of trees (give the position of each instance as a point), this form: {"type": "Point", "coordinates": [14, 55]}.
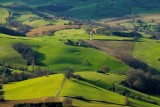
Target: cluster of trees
{"type": "Point", "coordinates": [127, 34]}
{"type": "Point", "coordinates": [5, 71]}
{"type": "Point", "coordinates": [50, 104]}
{"type": "Point", "coordinates": [135, 63]}
{"type": "Point", "coordinates": [118, 31]}
{"type": "Point", "coordinates": [132, 94]}
{"type": "Point", "coordinates": [32, 57]}
{"type": "Point", "coordinates": [77, 43]}
{"type": "Point", "coordinates": [69, 73]}
{"type": "Point", "coordinates": [143, 81]}
{"type": "Point", "coordinates": [11, 32]}
{"type": "Point", "coordinates": [1, 92]}
{"type": "Point", "coordinates": [22, 28]}
{"type": "Point", "coordinates": [19, 76]}
{"type": "Point", "coordinates": [13, 66]}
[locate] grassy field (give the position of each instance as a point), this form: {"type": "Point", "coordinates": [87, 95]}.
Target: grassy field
{"type": "Point", "coordinates": [52, 84]}
{"type": "Point", "coordinates": [47, 87]}
{"type": "Point", "coordinates": [29, 18]}
{"type": "Point", "coordinates": [4, 15]}
{"type": "Point", "coordinates": [148, 51]}
{"type": "Point", "coordinates": [91, 92]}
{"type": "Point", "coordinates": [102, 80]}
{"type": "Point", "coordinates": [58, 55]}
{"type": "Point", "coordinates": [82, 103]}
{"type": "Point", "coordinates": [33, 88]}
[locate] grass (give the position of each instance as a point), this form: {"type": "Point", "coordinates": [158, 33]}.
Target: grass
{"type": "Point", "coordinates": [102, 80]}
{"type": "Point", "coordinates": [75, 34]}
{"type": "Point", "coordinates": [36, 21]}
{"type": "Point", "coordinates": [33, 88]}
{"type": "Point", "coordinates": [58, 55]}
{"type": "Point", "coordinates": [142, 104]}
{"type": "Point", "coordinates": [48, 86]}
{"type": "Point", "coordinates": [90, 92]}
{"type": "Point", "coordinates": [81, 103]}
{"type": "Point", "coordinates": [148, 51]}
{"type": "Point", "coordinates": [4, 15]}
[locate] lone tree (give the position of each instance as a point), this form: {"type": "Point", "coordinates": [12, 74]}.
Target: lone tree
{"type": "Point", "coordinates": [67, 102]}
{"type": "Point", "coordinates": [68, 73]}
{"type": "Point", "coordinates": [105, 69]}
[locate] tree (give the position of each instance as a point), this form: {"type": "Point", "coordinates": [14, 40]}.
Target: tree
{"type": "Point", "coordinates": [143, 81]}
{"type": "Point", "coordinates": [105, 69]}
{"type": "Point", "coordinates": [67, 102]}
{"type": "Point", "coordinates": [1, 86]}
{"type": "Point", "coordinates": [68, 73]}
{"type": "Point", "coordinates": [158, 27]}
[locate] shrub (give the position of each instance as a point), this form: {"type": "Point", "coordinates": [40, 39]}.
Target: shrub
{"type": "Point", "coordinates": [127, 102]}
{"type": "Point", "coordinates": [143, 81]}
{"type": "Point", "coordinates": [1, 98]}
{"type": "Point", "coordinates": [1, 86]}
{"type": "Point", "coordinates": [105, 69]}
{"type": "Point", "coordinates": [50, 104]}
{"type": "Point", "coordinates": [67, 102]}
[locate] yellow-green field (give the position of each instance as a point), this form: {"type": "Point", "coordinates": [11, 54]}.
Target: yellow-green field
{"type": "Point", "coordinates": [4, 14]}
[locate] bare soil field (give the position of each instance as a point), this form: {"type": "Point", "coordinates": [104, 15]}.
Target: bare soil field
{"type": "Point", "coordinates": [52, 28]}
{"type": "Point", "coordinates": [113, 47]}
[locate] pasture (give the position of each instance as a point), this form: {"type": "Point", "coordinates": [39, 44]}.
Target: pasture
{"type": "Point", "coordinates": [58, 56]}
{"type": "Point", "coordinates": [4, 14]}
{"type": "Point", "coordinates": [148, 51]}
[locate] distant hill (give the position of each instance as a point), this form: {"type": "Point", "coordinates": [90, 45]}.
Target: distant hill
{"type": "Point", "coordinates": [91, 9]}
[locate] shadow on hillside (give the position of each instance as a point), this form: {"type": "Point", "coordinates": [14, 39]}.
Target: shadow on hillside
{"type": "Point", "coordinates": [39, 58]}
{"type": "Point", "coordinates": [1, 96]}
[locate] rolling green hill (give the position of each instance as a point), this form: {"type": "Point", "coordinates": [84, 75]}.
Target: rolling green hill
{"type": "Point", "coordinates": [148, 51]}
{"type": "Point", "coordinates": [57, 55]}
{"type": "Point", "coordinates": [49, 86]}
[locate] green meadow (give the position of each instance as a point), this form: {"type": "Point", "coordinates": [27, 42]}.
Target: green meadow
{"type": "Point", "coordinates": [148, 51]}
{"type": "Point", "coordinates": [57, 55]}
{"type": "Point", "coordinates": [33, 88]}
{"type": "Point", "coordinates": [49, 86]}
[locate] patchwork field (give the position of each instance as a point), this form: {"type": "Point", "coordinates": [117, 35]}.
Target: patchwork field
{"type": "Point", "coordinates": [90, 94]}
{"type": "Point", "coordinates": [89, 53]}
